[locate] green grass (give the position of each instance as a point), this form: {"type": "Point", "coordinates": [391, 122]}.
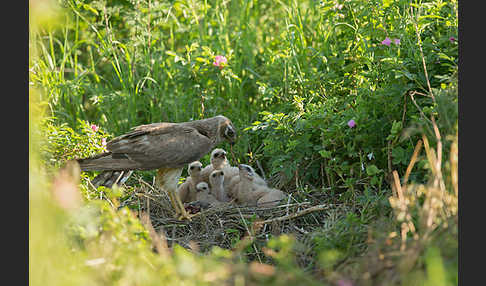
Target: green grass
{"type": "Point", "coordinates": [297, 72]}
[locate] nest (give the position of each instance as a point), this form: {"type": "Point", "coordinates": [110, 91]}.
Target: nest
{"type": "Point", "coordinates": [227, 224]}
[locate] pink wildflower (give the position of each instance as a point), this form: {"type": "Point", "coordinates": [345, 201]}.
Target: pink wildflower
{"type": "Point", "coordinates": [94, 127]}
{"type": "Point", "coordinates": [220, 61]}
{"type": "Point", "coordinates": [452, 39]}
{"type": "Point", "coordinates": [103, 142]}
{"type": "Point", "coordinates": [351, 123]}
{"type": "Point", "coordinates": [386, 41]}
{"type": "Point", "coordinates": [396, 41]}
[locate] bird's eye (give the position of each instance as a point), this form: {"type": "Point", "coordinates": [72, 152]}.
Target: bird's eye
{"type": "Point", "coordinates": [192, 167]}
{"type": "Point", "coordinates": [229, 131]}
{"type": "Point", "coordinates": [214, 175]}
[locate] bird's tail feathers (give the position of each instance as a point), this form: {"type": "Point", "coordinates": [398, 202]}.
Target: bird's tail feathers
{"type": "Point", "coordinates": [106, 162]}
{"type": "Point", "coordinates": [109, 178]}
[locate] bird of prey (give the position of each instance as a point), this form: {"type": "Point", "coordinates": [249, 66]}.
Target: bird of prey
{"type": "Point", "coordinates": [204, 197]}
{"type": "Point", "coordinates": [245, 191]}
{"type": "Point", "coordinates": [216, 179]}
{"type": "Point", "coordinates": [187, 190]}
{"type": "Point", "coordinates": [164, 146]}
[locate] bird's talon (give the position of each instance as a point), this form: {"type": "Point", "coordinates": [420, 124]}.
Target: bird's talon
{"type": "Point", "coordinates": [186, 216]}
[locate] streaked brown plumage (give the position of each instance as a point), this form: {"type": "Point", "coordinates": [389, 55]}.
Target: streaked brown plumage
{"type": "Point", "coordinates": [165, 146]}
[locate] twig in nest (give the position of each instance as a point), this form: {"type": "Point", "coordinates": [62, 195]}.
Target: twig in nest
{"type": "Point", "coordinates": [250, 235]}
{"type": "Point", "coordinates": [258, 224]}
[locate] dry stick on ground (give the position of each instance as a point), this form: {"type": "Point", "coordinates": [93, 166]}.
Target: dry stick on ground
{"type": "Point", "coordinates": [258, 224]}
{"type": "Point", "coordinates": [416, 152]}
{"type": "Point", "coordinates": [398, 187]}
{"type": "Point", "coordinates": [440, 179]}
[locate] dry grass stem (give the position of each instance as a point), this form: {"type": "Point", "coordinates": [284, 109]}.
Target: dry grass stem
{"type": "Point", "coordinates": [416, 152]}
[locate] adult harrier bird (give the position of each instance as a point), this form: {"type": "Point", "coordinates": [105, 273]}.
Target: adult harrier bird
{"type": "Point", "coordinates": [165, 146]}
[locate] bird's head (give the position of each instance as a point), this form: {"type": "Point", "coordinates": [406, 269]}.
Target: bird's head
{"type": "Point", "coordinates": [216, 177]}
{"type": "Point", "coordinates": [246, 171]}
{"type": "Point", "coordinates": [202, 187]}
{"type": "Point", "coordinates": [227, 129]}
{"type": "Point", "coordinates": [218, 157]}
{"type": "Point", "coordinates": [194, 168]}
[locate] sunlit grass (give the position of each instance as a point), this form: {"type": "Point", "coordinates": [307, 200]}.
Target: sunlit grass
{"type": "Point", "coordinates": [297, 73]}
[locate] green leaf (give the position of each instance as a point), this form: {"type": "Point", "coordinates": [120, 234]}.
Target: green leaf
{"type": "Point", "coordinates": [372, 170]}
{"type": "Point", "coordinates": [89, 8]}
{"type": "Point", "coordinates": [325, 154]}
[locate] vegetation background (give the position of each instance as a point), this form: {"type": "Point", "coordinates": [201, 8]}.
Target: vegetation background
{"type": "Point", "coordinates": [330, 97]}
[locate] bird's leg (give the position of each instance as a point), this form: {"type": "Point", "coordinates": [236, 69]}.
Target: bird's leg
{"type": "Point", "coordinates": [182, 211]}
{"type": "Point", "coordinates": [168, 178]}
{"type": "Point", "coordinates": [172, 202]}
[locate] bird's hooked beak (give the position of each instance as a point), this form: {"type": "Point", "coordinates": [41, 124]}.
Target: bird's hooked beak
{"type": "Point", "coordinates": [230, 134]}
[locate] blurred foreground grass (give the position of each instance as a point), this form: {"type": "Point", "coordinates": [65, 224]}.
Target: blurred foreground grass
{"type": "Point", "coordinates": [401, 234]}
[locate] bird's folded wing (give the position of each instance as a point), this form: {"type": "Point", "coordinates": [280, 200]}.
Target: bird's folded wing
{"type": "Point", "coordinates": [162, 145]}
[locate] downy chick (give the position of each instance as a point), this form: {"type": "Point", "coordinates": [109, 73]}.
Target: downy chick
{"type": "Point", "coordinates": [216, 180]}
{"type": "Point", "coordinates": [219, 162]}
{"type": "Point", "coordinates": [204, 197]}
{"type": "Point", "coordinates": [187, 190]}
{"type": "Point", "coordinates": [246, 191]}
{"type": "Point", "coordinates": [272, 198]}
{"type": "Point", "coordinates": [235, 180]}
